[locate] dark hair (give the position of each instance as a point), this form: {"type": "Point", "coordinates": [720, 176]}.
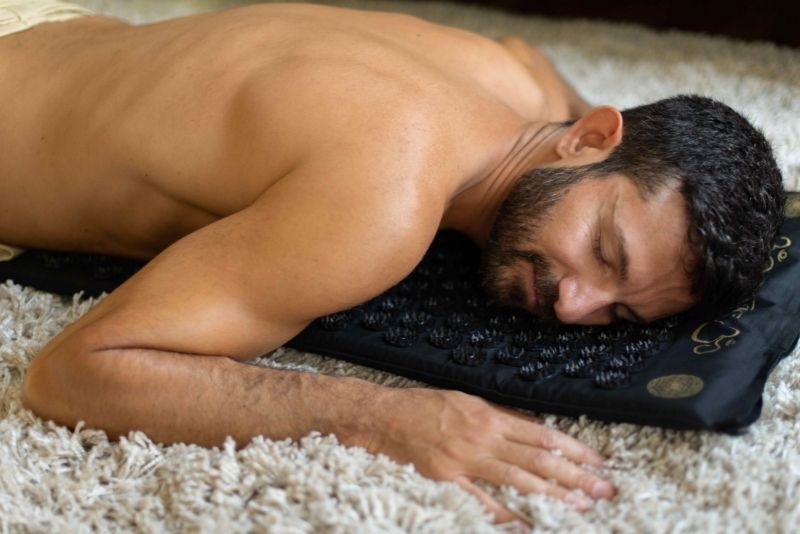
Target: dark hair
{"type": "Point", "coordinates": [727, 174]}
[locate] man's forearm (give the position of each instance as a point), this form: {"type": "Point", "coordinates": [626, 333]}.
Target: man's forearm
{"type": "Point", "coordinates": [177, 397]}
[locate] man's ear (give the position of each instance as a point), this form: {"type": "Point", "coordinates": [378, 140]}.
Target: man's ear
{"type": "Point", "coordinates": [597, 131]}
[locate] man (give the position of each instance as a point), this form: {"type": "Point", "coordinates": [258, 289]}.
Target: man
{"type": "Point", "coordinates": [281, 162]}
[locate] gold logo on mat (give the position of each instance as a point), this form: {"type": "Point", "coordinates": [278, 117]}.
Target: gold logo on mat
{"type": "Point", "coordinates": [744, 308]}
{"type": "Point", "coordinates": [714, 335]}
{"type": "Point", "coordinates": [793, 205]}
{"type": "Point", "coordinates": [675, 386]}
{"type": "Point", "coordinates": [781, 244]}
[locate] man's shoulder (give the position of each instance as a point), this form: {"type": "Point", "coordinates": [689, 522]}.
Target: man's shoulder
{"type": "Point", "coordinates": [352, 229]}
{"type": "Point", "coordinates": [407, 129]}
{"type": "Point", "coordinates": [384, 134]}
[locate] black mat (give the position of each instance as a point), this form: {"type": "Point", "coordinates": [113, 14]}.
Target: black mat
{"type": "Point", "coordinates": [67, 273]}
{"type": "Point", "coordinates": [435, 326]}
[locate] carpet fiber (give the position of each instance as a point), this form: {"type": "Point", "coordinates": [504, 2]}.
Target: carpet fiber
{"type": "Point", "coordinates": [53, 479]}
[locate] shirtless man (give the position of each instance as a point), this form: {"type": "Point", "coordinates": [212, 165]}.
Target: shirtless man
{"type": "Point", "coordinates": [282, 162]}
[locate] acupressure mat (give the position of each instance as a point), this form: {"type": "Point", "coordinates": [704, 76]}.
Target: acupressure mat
{"type": "Point", "coordinates": [435, 326]}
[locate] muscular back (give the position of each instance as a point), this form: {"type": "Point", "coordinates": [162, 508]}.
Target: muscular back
{"type": "Point", "coordinates": [130, 137]}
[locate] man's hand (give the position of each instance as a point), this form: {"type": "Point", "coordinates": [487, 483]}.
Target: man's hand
{"type": "Point", "coordinates": [449, 435]}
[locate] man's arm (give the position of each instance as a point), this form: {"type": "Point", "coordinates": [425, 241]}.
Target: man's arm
{"type": "Point", "coordinates": [164, 352]}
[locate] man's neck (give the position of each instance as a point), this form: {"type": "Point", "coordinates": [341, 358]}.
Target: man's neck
{"type": "Point", "coordinates": [472, 211]}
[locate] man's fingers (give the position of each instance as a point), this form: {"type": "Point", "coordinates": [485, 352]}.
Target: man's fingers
{"type": "Point", "coordinates": [504, 473]}
{"type": "Point", "coordinates": [500, 512]}
{"type": "Point", "coordinates": [526, 433]}
{"type": "Point", "coordinates": [552, 467]}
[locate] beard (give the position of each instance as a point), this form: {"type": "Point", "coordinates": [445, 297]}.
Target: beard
{"type": "Point", "coordinates": [511, 247]}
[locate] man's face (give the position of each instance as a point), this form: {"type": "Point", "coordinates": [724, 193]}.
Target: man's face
{"type": "Point", "coordinates": [589, 252]}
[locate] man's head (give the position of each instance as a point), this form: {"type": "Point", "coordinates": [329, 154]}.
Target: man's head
{"type": "Point", "coordinates": [646, 213]}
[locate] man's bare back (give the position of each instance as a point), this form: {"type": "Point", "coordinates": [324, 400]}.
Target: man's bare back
{"type": "Point", "coordinates": [279, 163]}
{"type": "Point", "coordinates": [139, 135]}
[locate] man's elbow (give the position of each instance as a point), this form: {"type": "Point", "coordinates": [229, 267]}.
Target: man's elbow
{"type": "Point", "coordinates": [60, 379]}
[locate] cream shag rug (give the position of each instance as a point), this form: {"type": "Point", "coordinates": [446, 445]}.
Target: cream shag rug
{"type": "Point", "coordinates": [53, 479]}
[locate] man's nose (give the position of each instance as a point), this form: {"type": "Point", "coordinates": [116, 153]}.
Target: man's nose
{"type": "Point", "coordinates": [582, 301]}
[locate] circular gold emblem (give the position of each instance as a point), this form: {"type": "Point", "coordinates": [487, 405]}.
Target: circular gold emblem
{"type": "Point", "coordinates": [675, 386]}
{"type": "Point", "coordinates": [793, 205]}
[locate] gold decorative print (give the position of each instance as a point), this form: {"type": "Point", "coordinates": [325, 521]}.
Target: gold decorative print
{"type": "Point", "coordinates": [744, 308]}
{"type": "Point", "coordinates": [781, 244]}
{"type": "Point", "coordinates": [716, 335]}
{"type": "Point", "coordinates": [793, 205]}
{"type": "Point", "coordinates": [675, 386]}
{"type": "Point", "coordinates": [713, 336]}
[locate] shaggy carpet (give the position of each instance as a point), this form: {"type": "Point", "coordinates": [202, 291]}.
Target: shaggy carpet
{"type": "Point", "coordinates": [53, 479]}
